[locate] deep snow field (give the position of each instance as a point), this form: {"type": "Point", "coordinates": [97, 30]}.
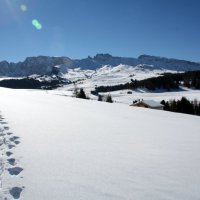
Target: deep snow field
{"type": "Point", "coordinates": [88, 150]}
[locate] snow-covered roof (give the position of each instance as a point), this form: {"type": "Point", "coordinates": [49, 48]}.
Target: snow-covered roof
{"type": "Point", "coordinates": [152, 103]}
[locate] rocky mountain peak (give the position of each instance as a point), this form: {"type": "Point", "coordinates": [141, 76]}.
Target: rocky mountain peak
{"type": "Point", "coordinates": [43, 65]}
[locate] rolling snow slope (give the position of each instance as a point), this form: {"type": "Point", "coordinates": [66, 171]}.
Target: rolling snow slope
{"type": "Point", "coordinates": [82, 149]}
{"type": "Point", "coordinates": [108, 75]}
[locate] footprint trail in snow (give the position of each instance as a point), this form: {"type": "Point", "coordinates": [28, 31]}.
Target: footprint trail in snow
{"type": "Point", "coordinates": [9, 166]}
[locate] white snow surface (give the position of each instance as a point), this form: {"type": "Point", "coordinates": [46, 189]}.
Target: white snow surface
{"type": "Point", "coordinates": [122, 96]}
{"type": "Point", "coordinates": [108, 75]}
{"type": "Point", "coordinates": [87, 150]}
{"type": "Point", "coordinates": [121, 74]}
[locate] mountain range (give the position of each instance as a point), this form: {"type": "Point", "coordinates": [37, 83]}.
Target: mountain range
{"type": "Point", "coordinates": [43, 65]}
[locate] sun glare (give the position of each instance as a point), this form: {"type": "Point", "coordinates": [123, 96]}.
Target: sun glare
{"type": "Point", "coordinates": [36, 24]}
{"type": "Point", "coordinates": [23, 7]}
{"type": "Point", "coordinates": [15, 6]}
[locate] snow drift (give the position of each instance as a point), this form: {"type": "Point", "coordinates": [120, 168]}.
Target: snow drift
{"type": "Point", "coordinates": [89, 150]}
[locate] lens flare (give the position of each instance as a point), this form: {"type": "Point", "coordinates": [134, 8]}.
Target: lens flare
{"type": "Point", "coordinates": [36, 24]}
{"type": "Point", "coordinates": [23, 8]}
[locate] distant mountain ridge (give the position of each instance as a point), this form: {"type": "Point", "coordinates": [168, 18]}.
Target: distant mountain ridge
{"type": "Point", "coordinates": [42, 65]}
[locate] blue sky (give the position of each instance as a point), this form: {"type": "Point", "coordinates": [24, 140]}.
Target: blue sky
{"type": "Point", "coordinates": [78, 28]}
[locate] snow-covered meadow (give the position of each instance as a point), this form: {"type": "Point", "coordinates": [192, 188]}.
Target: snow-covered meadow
{"type": "Point", "coordinates": [108, 75]}
{"type": "Point", "coordinates": [127, 96]}
{"type": "Point", "coordinates": [121, 74]}
{"type": "Point", "coordinates": [83, 149]}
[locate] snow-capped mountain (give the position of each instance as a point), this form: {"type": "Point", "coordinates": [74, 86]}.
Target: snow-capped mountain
{"type": "Point", "coordinates": [42, 65]}
{"type": "Point", "coordinates": [154, 61]}
{"type": "Point", "coordinates": [168, 63]}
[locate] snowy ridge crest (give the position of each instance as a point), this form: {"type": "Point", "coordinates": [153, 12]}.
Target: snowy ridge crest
{"type": "Point", "coordinates": [42, 65]}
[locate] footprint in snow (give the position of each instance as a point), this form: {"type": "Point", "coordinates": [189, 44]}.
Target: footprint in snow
{"type": "Point", "coordinates": [17, 142]}
{"type": "Point", "coordinates": [15, 171]}
{"type": "Point", "coordinates": [14, 138]}
{"type": "Point", "coordinates": [9, 133]}
{"type": "Point", "coordinates": [8, 153]}
{"type": "Point", "coordinates": [2, 134]}
{"type": "Point", "coordinates": [15, 192]}
{"type": "Point", "coordinates": [6, 128]}
{"type": "Point", "coordinates": [3, 141]}
{"type": "Point", "coordinates": [11, 161]}
{"type": "Point", "coordinates": [10, 146]}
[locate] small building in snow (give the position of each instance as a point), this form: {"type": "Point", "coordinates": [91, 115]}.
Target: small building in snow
{"type": "Point", "coordinates": [148, 104]}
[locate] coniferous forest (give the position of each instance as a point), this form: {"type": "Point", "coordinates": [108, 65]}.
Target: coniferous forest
{"type": "Point", "coordinates": [182, 106]}
{"type": "Point", "coordinates": [31, 83]}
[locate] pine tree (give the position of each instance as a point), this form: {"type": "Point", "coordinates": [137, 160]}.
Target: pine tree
{"type": "Point", "coordinates": [173, 106]}
{"type": "Point", "coordinates": [163, 102]}
{"type": "Point", "coordinates": [100, 98]}
{"type": "Point", "coordinates": [81, 94]}
{"type": "Point", "coordinates": [198, 112]}
{"type": "Point", "coordinates": [109, 99]}
{"type": "Point", "coordinates": [166, 107]}
{"type": "Point", "coordinates": [75, 92]}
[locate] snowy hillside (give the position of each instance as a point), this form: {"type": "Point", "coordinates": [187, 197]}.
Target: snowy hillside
{"type": "Point", "coordinates": [81, 149]}
{"type": "Point", "coordinates": [108, 75]}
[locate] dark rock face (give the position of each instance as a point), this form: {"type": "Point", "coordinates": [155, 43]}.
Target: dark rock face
{"type": "Point", "coordinates": [145, 60]}
{"type": "Point", "coordinates": [40, 65]}
{"type": "Point", "coordinates": [169, 63]}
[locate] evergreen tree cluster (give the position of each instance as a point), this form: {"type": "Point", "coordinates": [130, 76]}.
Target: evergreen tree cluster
{"type": "Point", "coordinates": [107, 98]}
{"type": "Point", "coordinates": [80, 93]}
{"type": "Point", "coordinates": [167, 81]}
{"type": "Point", "coordinates": [182, 106]}
{"type": "Point", "coordinates": [31, 83]}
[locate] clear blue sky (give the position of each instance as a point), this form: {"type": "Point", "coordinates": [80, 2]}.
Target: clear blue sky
{"type": "Point", "coordinates": [78, 28]}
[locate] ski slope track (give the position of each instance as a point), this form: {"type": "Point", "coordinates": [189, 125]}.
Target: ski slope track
{"type": "Point", "coordinates": [88, 150]}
